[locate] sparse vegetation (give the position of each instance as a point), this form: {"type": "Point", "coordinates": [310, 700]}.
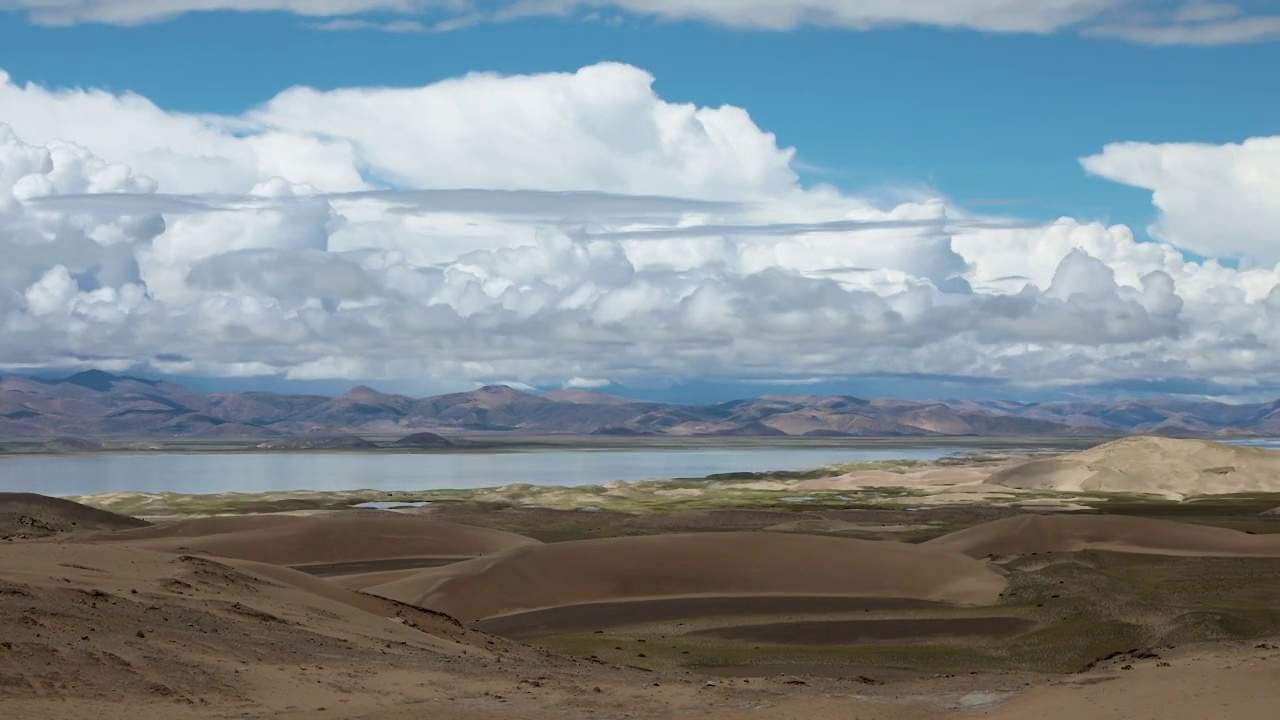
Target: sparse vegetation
{"type": "Point", "coordinates": [1087, 605]}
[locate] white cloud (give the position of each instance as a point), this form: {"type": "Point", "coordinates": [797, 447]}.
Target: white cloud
{"type": "Point", "coordinates": [989, 15]}
{"type": "Point", "coordinates": [600, 128]}
{"type": "Point", "coordinates": [1215, 200]}
{"type": "Point", "coordinates": [1157, 22]}
{"type": "Point", "coordinates": [130, 12]}
{"type": "Point", "coordinates": [577, 383]}
{"type": "Point", "coordinates": [602, 232]}
{"type": "Point", "coordinates": [350, 24]}
{"type": "Point", "coordinates": [1199, 22]}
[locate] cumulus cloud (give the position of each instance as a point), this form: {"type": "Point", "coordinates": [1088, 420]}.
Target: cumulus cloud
{"type": "Point", "coordinates": [1158, 22]}
{"type": "Point", "coordinates": [600, 128]}
{"type": "Point", "coordinates": [557, 229]}
{"type": "Point", "coordinates": [1215, 200]}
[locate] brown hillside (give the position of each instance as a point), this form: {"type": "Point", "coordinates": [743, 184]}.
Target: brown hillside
{"type": "Point", "coordinates": [1028, 534]}
{"type": "Point", "coordinates": [339, 537]}
{"type": "Point", "coordinates": [27, 515]}
{"type": "Point", "coordinates": [709, 564]}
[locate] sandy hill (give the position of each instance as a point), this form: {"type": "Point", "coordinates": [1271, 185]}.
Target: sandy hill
{"type": "Point", "coordinates": [178, 635]}
{"type": "Point", "coordinates": [1152, 465]}
{"type": "Point", "coordinates": [339, 537]}
{"type": "Point", "coordinates": [27, 515]}
{"type": "Point", "coordinates": [200, 527]}
{"type": "Point", "coordinates": [1027, 534]}
{"type": "Point", "coordinates": [705, 564]}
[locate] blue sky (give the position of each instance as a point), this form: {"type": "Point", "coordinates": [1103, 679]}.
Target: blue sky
{"type": "Point", "coordinates": [997, 122]}
{"type": "Point", "coordinates": [980, 117]}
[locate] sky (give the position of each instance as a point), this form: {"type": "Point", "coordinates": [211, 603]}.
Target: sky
{"type": "Point", "coordinates": [666, 198]}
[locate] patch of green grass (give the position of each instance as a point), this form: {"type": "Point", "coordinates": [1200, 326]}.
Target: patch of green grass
{"type": "Point", "coordinates": [1242, 504]}
{"type": "Point", "coordinates": [636, 498]}
{"type": "Point", "coordinates": [817, 473]}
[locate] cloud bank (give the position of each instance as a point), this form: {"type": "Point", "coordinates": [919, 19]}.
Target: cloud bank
{"type": "Point", "coordinates": [554, 227]}
{"type": "Point", "coordinates": [1156, 22]}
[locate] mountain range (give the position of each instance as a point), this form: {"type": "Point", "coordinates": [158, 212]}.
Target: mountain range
{"type": "Point", "coordinates": [99, 404]}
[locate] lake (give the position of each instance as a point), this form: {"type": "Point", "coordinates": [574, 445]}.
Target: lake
{"type": "Point", "coordinates": [263, 472]}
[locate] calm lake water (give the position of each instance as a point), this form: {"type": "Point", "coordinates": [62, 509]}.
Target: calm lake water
{"type": "Point", "coordinates": [249, 473]}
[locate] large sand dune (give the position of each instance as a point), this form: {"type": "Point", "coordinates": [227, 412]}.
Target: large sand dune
{"type": "Point", "coordinates": [1151, 465]}
{"type": "Point", "coordinates": [1027, 534]}
{"type": "Point", "coordinates": [708, 564]}
{"type": "Point", "coordinates": [328, 538]}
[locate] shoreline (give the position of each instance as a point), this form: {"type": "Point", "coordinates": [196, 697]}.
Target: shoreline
{"type": "Point", "coordinates": [651, 495]}
{"type": "Point", "coordinates": [951, 482]}
{"type": "Point", "coordinates": [968, 477]}
{"type": "Point", "coordinates": [488, 444]}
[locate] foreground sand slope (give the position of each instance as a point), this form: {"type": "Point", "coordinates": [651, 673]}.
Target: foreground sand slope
{"type": "Point", "coordinates": [1228, 682]}
{"type": "Point", "coordinates": [1026, 534]}
{"type": "Point", "coordinates": [211, 639]}
{"type": "Point", "coordinates": [339, 537]}
{"type": "Point", "coordinates": [1169, 467]}
{"type": "Point", "coordinates": [108, 622]}
{"type": "Point", "coordinates": [706, 564]}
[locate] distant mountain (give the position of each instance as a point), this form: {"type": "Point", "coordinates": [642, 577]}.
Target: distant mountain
{"type": "Point", "coordinates": [96, 404]}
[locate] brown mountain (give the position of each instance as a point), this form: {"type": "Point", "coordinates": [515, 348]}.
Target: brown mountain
{"type": "Point", "coordinates": [97, 404]}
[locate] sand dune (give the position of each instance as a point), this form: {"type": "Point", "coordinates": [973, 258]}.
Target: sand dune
{"type": "Point", "coordinates": [1151, 465]}
{"type": "Point", "coordinates": [98, 624]}
{"type": "Point", "coordinates": [710, 564]}
{"type": "Point", "coordinates": [360, 581]}
{"type": "Point", "coordinates": [200, 527]}
{"type": "Point", "coordinates": [1027, 534]}
{"type": "Point", "coordinates": [824, 525]}
{"type": "Point", "coordinates": [339, 537]}
{"type": "Point", "coordinates": [27, 515]}
{"type": "Point", "coordinates": [110, 630]}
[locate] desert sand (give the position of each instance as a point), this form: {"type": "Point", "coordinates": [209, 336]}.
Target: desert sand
{"type": "Point", "coordinates": [116, 631]}
{"type": "Point", "coordinates": [27, 515]}
{"type": "Point", "coordinates": [955, 611]}
{"type": "Point", "coordinates": [819, 525]}
{"type": "Point", "coordinates": [320, 539]}
{"type": "Point", "coordinates": [1168, 467]}
{"type": "Point", "coordinates": [1028, 534]}
{"type": "Point", "coordinates": [698, 565]}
